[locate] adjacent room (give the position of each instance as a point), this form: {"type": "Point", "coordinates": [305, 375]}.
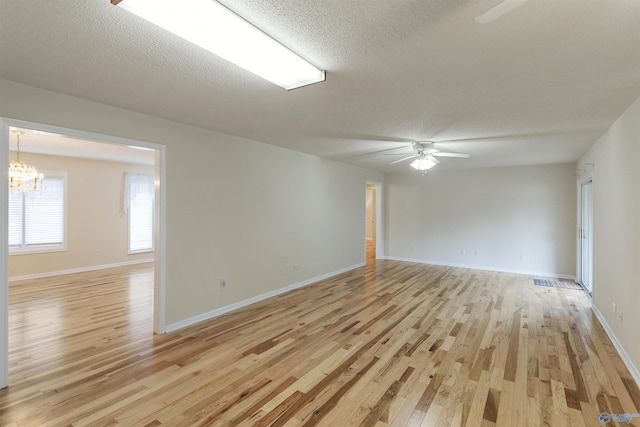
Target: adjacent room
{"type": "Point", "coordinates": [320, 213]}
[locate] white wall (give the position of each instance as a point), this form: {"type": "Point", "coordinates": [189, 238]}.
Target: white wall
{"type": "Point", "coordinates": [519, 219]}
{"type": "Point", "coordinates": [236, 209]}
{"type": "Point", "coordinates": [97, 230]}
{"type": "Point", "coordinates": [616, 239]}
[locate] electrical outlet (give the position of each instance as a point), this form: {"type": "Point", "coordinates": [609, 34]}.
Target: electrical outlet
{"type": "Point", "coordinates": [281, 269]}
{"type": "Point", "coordinates": [521, 257]}
{"type": "Point", "coordinates": [223, 285]}
{"type": "Point", "coordinates": [462, 252]}
{"type": "Point", "coordinates": [477, 253]}
{"type": "Point", "coordinates": [295, 267]}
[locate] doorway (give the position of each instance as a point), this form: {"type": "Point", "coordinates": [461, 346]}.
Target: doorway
{"type": "Point", "coordinates": [374, 241]}
{"type": "Point", "coordinates": [158, 234]}
{"type": "Point", "coordinates": [370, 220]}
{"type": "Point", "coordinates": [586, 236]}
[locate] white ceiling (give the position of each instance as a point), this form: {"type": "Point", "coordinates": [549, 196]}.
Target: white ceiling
{"type": "Point", "coordinates": [539, 85]}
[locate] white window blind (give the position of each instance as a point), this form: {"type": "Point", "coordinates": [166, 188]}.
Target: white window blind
{"type": "Point", "coordinates": [36, 218]}
{"type": "Point", "coordinates": [15, 219]}
{"type": "Point", "coordinates": [138, 203]}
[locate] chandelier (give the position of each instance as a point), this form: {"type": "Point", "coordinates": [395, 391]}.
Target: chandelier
{"type": "Point", "coordinates": [22, 176]}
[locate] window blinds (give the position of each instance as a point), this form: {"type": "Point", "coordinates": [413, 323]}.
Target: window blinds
{"type": "Point", "coordinates": [15, 219]}
{"type": "Point", "coordinates": [44, 213]}
{"type": "Point", "coordinates": [138, 203]}
{"type": "Point", "coordinates": [36, 218]}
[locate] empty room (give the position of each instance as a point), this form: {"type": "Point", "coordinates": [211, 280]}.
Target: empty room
{"type": "Point", "coordinates": [320, 212]}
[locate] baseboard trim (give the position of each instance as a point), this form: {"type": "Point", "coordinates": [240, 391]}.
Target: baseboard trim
{"type": "Point", "coordinates": [479, 267]}
{"type": "Point", "coordinates": [240, 304]}
{"type": "Point", "coordinates": [79, 270]}
{"type": "Point", "coordinates": [635, 373]}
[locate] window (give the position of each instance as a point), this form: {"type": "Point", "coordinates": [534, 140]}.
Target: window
{"type": "Point", "coordinates": [37, 218]}
{"type": "Point", "coordinates": [139, 190]}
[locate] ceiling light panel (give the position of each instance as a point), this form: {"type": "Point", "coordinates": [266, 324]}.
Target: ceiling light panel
{"type": "Point", "coordinates": [217, 29]}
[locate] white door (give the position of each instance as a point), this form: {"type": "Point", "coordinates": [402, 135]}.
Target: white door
{"type": "Point", "coordinates": [586, 235]}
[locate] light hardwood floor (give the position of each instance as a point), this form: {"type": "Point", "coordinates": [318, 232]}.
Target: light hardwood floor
{"type": "Point", "coordinates": [370, 249]}
{"type": "Point", "coordinates": [390, 344]}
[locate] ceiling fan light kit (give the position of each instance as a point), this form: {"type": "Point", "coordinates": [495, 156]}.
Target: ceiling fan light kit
{"type": "Point", "coordinates": [210, 25]}
{"type": "Point", "coordinates": [424, 162]}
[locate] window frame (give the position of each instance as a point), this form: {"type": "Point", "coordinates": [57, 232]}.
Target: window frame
{"type": "Point", "coordinates": [46, 248]}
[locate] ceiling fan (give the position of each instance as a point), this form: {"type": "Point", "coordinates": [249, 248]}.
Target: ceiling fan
{"type": "Point", "coordinates": [425, 155]}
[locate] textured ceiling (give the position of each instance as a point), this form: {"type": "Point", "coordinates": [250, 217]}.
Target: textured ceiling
{"type": "Point", "coordinates": [539, 85]}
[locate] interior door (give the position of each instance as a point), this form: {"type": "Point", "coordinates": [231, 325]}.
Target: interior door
{"type": "Point", "coordinates": [586, 235]}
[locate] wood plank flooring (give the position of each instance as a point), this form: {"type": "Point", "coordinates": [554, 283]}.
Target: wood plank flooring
{"type": "Point", "coordinates": [392, 343]}
{"type": "Point", "coordinates": [370, 250]}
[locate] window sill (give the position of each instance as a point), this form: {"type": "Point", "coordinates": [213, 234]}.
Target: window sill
{"type": "Point", "coordinates": [141, 251]}
{"type": "Point", "coordinates": [36, 250]}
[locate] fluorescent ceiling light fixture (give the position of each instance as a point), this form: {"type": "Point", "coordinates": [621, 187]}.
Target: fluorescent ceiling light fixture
{"type": "Point", "coordinates": [217, 29]}
{"type": "Point", "coordinates": [424, 162]}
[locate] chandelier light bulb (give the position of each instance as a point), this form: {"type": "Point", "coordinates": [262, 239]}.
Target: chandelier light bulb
{"type": "Point", "coordinates": [23, 177]}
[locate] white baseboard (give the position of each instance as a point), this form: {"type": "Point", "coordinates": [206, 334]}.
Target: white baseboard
{"type": "Point", "coordinates": [79, 270]}
{"type": "Point", "coordinates": [478, 267]}
{"type": "Point", "coordinates": [635, 373]}
{"type": "Point", "coordinates": [220, 311]}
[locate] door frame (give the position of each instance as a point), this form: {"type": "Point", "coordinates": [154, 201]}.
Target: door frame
{"type": "Point", "coordinates": [585, 174]}
{"type": "Point", "coordinates": [379, 218]}
{"type": "Point", "coordinates": [589, 231]}
{"type": "Point", "coordinates": [159, 294]}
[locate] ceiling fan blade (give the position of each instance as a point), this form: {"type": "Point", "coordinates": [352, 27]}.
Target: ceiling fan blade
{"type": "Point", "coordinates": [402, 160]}
{"type": "Point", "coordinates": [461, 155]}
{"type": "Point", "coordinates": [395, 154]}
{"type": "Point", "coordinates": [502, 8]}
{"type": "Point", "coordinates": [385, 152]}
